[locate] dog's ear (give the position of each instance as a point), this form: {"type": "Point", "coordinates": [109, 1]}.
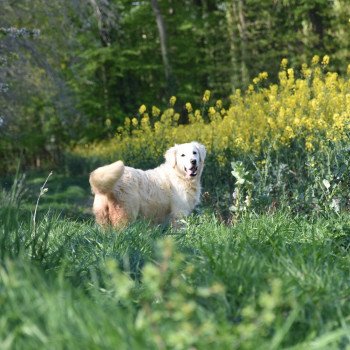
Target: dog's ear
{"type": "Point", "coordinates": [170, 156]}
{"type": "Point", "coordinates": [202, 150]}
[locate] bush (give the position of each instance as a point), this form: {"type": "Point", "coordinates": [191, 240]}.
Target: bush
{"type": "Point", "coordinates": [292, 138]}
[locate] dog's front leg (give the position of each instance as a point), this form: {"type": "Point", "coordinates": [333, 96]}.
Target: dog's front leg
{"type": "Point", "coordinates": [176, 215]}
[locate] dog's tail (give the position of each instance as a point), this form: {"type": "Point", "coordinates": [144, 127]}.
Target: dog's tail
{"type": "Point", "coordinates": [103, 179]}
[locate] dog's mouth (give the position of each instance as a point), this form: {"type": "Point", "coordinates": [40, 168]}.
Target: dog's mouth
{"type": "Point", "coordinates": [191, 172]}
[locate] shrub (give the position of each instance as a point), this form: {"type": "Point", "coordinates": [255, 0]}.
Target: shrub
{"type": "Point", "coordinates": [287, 134]}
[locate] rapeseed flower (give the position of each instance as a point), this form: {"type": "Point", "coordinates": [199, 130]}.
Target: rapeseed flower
{"type": "Point", "coordinates": [155, 111]}
{"type": "Point", "coordinates": [309, 110]}
{"type": "Point", "coordinates": [315, 60]}
{"type": "Point", "coordinates": [134, 122]}
{"type": "Point", "coordinates": [284, 63]}
{"type": "Point", "coordinates": [172, 100]}
{"type": "Point", "coordinates": [206, 96]}
{"type": "Point", "coordinates": [188, 107]}
{"type": "Point", "coordinates": [325, 60]}
{"type": "Point", "coordinates": [142, 109]}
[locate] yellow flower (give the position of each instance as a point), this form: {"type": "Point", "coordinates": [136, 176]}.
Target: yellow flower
{"type": "Point", "coordinates": [290, 72]}
{"type": "Point", "coordinates": [211, 110]}
{"type": "Point", "coordinates": [206, 96]}
{"type": "Point", "coordinates": [309, 146]}
{"type": "Point", "coordinates": [127, 122]}
{"type": "Point", "coordinates": [263, 75]}
{"type": "Point", "coordinates": [306, 70]}
{"type": "Point", "coordinates": [312, 110]}
{"type": "Point", "coordinates": [271, 123]}
{"type": "Point", "coordinates": [309, 143]}
{"type": "Point", "coordinates": [155, 111]}
{"type": "Point", "coordinates": [188, 107]}
{"type": "Point", "coordinates": [284, 63]}
{"type": "Point", "coordinates": [142, 109]}
{"type": "Point", "coordinates": [157, 127]}
{"type": "Point", "coordinates": [296, 121]}
{"type": "Point", "coordinates": [134, 122]}
{"type": "Point", "coordinates": [172, 100]}
{"type": "Point", "coordinates": [289, 133]}
{"type": "Point", "coordinates": [325, 60]}
{"type": "Point", "coordinates": [315, 60]}
{"type": "Point", "coordinates": [218, 104]}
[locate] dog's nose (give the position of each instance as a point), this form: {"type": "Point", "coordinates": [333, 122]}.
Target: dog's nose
{"type": "Point", "coordinates": [193, 162]}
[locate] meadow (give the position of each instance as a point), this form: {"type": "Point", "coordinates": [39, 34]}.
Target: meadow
{"type": "Point", "coordinates": [270, 281]}
{"type": "Point", "coordinates": [262, 264]}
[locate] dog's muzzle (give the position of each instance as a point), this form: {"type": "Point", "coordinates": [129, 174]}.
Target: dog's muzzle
{"type": "Point", "coordinates": [192, 172]}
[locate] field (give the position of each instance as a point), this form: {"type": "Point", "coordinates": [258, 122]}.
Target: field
{"type": "Point", "coordinates": [270, 281]}
{"type": "Point", "coordinates": [262, 264]}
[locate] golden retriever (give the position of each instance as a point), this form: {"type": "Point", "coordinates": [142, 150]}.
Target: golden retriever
{"type": "Point", "coordinates": [161, 195]}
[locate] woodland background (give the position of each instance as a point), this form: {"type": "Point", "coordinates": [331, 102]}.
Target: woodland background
{"type": "Point", "coordinates": [72, 70]}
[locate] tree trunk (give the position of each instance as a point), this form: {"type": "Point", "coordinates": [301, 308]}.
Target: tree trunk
{"type": "Point", "coordinates": [235, 18]}
{"type": "Point", "coordinates": [163, 42]}
{"type": "Point", "coordinates": [101, 12]}
{"type": "Point", "coordinates": [233, 46]}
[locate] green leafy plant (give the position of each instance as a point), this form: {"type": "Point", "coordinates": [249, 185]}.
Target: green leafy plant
{"type": "Point", "coordinates": [242, 194]}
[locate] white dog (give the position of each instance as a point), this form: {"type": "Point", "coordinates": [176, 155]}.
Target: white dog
{"type": "Point", "coordinates": [162, 195]}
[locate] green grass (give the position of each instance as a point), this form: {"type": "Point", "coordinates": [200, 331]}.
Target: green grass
{"type": "Point", "coordinates": [68, 195]}
{"type": "Point", "coordinates": [276, 281]}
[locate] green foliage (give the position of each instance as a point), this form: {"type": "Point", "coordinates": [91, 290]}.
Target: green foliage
{"type": "Point", "coordinates": [274, 278]}
{"type": "Point", "coordinates": [71, 71]}
{"type": "Point", "coordinates": [270, 281]}
{"type": "Point", "coordinates": [243, 188]}
{"type": "Point", "coordinates": [288, 144]}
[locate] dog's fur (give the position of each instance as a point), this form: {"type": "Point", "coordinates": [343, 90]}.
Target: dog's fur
{"type": "Point", "coordinates": [162, 195]}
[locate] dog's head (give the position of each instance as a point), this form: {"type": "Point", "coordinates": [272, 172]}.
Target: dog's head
{"type": "Point", "coordinates": [187, 159]}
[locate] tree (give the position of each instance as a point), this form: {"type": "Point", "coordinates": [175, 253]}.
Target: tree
{"type": "Point", "coordinates": [34, 106]}
{"type": "Point", "coordinates": [97, 61]}
{"type": "Point", "coordinates": [163, 43]}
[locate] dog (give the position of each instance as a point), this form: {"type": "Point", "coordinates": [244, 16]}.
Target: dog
{"type": "Point", "coordinates": [161, 195]}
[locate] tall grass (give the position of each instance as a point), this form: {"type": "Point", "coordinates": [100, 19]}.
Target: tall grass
{"type": "Point", "coordinates": [270, 281]}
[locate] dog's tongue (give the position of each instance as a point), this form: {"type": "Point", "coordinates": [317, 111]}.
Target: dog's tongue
{"type": "Point", "coordinates": [192, 171]}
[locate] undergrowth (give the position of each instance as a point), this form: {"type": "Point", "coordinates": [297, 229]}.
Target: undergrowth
{"type": "Point", "coordinates": [269, 281]}
{"type": "Point", "coordinates": [290, 139]}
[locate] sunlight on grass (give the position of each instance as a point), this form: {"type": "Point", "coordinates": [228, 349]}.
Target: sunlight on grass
{"type": "Point", "coordinates": [270, 280]}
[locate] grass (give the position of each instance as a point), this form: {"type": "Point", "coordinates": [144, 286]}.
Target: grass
{"type": "Point", "coordinates": [68, 195]}
{"type": "Point", "coordinates": [278, 281]}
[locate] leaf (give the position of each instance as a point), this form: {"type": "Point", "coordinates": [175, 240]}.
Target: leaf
{"type": "Point", "coordinates": [240, 181]}
{"type": "Point", "coordinates": [326, 183]}
{"type": "Point", "coordinates": [233, 208]}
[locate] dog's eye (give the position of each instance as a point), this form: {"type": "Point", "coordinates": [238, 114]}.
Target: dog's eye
{"type": "Point", "coordinates": [194, 152]}
{"type": "Point", "coordinates": [182, 155]}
